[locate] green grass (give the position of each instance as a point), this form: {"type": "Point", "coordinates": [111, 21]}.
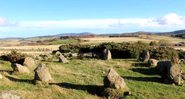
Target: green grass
{"type": "Point", "coordinates": [79, 78]}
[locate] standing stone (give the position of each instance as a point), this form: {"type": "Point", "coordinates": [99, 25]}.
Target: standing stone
{"type": "Point", "coordinates": [152, 62]}
{"type": "Point", "coordinates": [145, 56]}
{"type": "Point", "coordinates": [115, 86]}
{"type": "Point", "coordinates": [113, 80]}
{"type": "Point", "coordinates": [63, 59]}
{"type": "Point", "coordinates": [19, 68]}
{"type": "Point", "coordinates": [170, 73]}
{"type": "Point", "coordinates": [175, 74]}
{"type": "Point", "coordinates": [107, 54]}
{"type": "Point", "coordinates": [30, 63]}
{"type": "Point", "coordinates": [42, 73]}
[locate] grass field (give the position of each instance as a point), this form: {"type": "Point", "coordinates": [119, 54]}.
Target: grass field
{"type": "Point", "coordinates": [81, 78]}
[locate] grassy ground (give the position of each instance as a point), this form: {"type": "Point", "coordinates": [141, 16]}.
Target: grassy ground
{"type": "Point", "coordinates": [81, 78]}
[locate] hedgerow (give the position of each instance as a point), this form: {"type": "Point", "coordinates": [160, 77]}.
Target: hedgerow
{"type": "Point", "coordinates": [125, 50]}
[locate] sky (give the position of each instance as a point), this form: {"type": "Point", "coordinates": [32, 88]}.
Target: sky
{"type": "Point", "coordinates": [27, 18]}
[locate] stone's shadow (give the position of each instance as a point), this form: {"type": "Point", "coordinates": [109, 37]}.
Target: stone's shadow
{"type": "Point", "coordinates": [145, 79]}
{"type": "Point", "coordinates": [20, 80]}
{"type": "Point", "coordinates": [8, 71]}
{"type": "Point", "coordinates": [91, 89]}
{"type": "Point", "coordinates": [140, 64]}
{"type": "Point", "coordinates": [146, 71]}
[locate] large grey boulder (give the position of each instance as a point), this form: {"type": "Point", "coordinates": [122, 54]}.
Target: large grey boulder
{"type": "Point", "coordinates": [42, 74]}
{"type": "Point", "coordinates": [18, 68]}
{"type": "Point", "coordinates": [170, 73]}
{"type": "Point", "coordinates": [63, 59]}
{"type": "Point", "coordinates": [115, 86]}
{"type": "Point", "coordinates": [107, 54]}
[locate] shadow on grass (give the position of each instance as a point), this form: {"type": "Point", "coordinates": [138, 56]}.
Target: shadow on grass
{"type": "Point", "coordinates": [8, 71]}
{"type": "Point", "coordinates": [20, 80]}
{"type": "Point", "coordinates": [146, 71]}
{"type": "Point", "coordinates": [91, 89]}
{"type": "Point", "coordinates": [140, 64]}
{"type": "Point", "coordinates": [145, 79]}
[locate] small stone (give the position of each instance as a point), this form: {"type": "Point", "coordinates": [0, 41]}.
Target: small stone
{"type": "Point", "coordinates": [63, 59]}
{"type": "Point", "coordinates": [152, 62]}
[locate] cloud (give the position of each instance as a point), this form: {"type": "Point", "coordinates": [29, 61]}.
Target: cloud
{"type": "Point", "coordinates": [90, 23]}
{"type": "Point", "coordinates": [169, 20]}
{"type": "Point", "coordinates": [2, 21]}
{"type": "Point", "coordinates": [86, 23]}
{"type": "Point", "coordinates": [6, 23]}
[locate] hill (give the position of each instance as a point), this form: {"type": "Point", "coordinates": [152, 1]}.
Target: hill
{"type": "Point", "coordinates": [64, 38]}
{"type": "Point", "coordinates": [178, 33]}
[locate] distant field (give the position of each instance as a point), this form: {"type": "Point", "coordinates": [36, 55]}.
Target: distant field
{"type": "Point", "coordinates": [132, 39]}
{"type": "Point", "coordinates": [114, 39]}
{"type": "Point", "coordinates": [147, 39]}
{"type": "Point", "coordinates": [8, 45]}
{"type": "Point", "coordinates": [51, 47]}
{"type": "Point", "coordinates": [9, 42]}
